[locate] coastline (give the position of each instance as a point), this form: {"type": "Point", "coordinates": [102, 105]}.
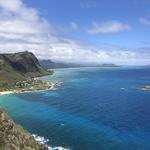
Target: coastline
{"type": "Point", "coordinates": [51, 87]}
{"type": "Point", "coordinates": [39, 139]}
{"type": "Point", "coordinates": [22, 136]}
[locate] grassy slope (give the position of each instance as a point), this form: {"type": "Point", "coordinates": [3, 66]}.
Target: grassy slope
{"type": "Point", "coordinates": [14, 137]}
{"type": "Point", "coordinates": [10, 76]}
{"type": "Point", "coordinates": [19, 66]}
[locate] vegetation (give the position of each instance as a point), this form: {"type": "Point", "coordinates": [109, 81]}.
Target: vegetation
{"type": "Point", "coordinates": [19, 66]}
{"type": "Point", "coordinates": [14, 137]}
{"type": "Point", "coordinates": [17, 73]}
{"type": "Point", "coordinates": [28, 85]}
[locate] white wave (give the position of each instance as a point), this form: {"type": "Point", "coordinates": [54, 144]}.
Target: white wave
{"type": "Point", "coordinates": [59, 148]}
{"type": "Point", "coordinates": [44, 141]}
{"type": "Point", "coordinates": [40, 139]}
{"type": "Point", "coordinates": [6, 92]}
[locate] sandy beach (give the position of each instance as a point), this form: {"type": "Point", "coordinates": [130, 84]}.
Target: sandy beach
{"type": "Point", "coordinates": [6, 92]}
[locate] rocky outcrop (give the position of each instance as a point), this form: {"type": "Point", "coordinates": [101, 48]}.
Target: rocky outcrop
{"type": "Point", "coordinates": [14, 137]}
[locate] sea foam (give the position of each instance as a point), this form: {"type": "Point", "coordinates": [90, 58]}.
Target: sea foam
{"type": "Point", "coordinates": [45, 141]}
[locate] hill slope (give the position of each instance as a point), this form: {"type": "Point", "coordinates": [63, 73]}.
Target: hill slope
{"type": "Point", "coordinates": [19, 66]}
{"type": "Point", "coordinates": [14, 137]}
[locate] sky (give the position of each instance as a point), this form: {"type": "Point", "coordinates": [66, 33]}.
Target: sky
{"type": "Point", "coordinates": [86, 31]}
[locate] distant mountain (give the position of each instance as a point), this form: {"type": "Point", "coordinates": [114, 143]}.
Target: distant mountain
{"type": "Point", "coordinates": [19, 66]}
{"type": "Point", "coordinates": [48, 64]}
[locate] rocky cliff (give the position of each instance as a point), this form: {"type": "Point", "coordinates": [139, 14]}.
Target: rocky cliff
{"type": "Point", "coordinates": [14, 137]}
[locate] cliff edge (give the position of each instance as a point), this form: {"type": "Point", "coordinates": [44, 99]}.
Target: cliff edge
{"type": "Point", "coordinates": [14, 137]}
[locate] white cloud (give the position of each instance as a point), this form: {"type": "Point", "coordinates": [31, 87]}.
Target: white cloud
{"type": "Point", "coordinates": [21, 28]}
{"type": "Point", "coordinates": [108, 27]}
{"type": "Point", "coordinates": [145, 21]}
{"type": "Point", "coordinates": [15, 17]}
{"type": "Point", "coordinates": [11, 5]}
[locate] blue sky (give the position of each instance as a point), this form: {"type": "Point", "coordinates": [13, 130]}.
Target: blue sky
{"type": "Point", "coordinates": [84, 12]}
{"type": "Point", "coordinates": [97, 31]}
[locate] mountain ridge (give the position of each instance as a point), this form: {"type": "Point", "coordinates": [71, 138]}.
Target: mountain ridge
{"type": "Point", "coordinates": [19, 66]}
{"type": "Point", "coordinates": [47, 64]}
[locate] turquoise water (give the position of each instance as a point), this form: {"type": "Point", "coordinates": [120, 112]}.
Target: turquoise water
{"type": "Point", "coordinates": [92, 109]}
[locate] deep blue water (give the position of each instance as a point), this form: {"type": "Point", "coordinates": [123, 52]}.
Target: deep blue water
{"type": "Point", "coordinates": [93, 109]}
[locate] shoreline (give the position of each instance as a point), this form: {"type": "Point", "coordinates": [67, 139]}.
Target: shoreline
{"type": "Point", "coordinates": [8, 92]}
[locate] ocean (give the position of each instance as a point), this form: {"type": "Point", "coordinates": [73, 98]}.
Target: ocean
{"type": "Point", "coordinates": [91, 109]}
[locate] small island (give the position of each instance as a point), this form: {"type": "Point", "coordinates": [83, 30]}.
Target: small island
{"type": "Point", "coordinates": [146, 87]}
